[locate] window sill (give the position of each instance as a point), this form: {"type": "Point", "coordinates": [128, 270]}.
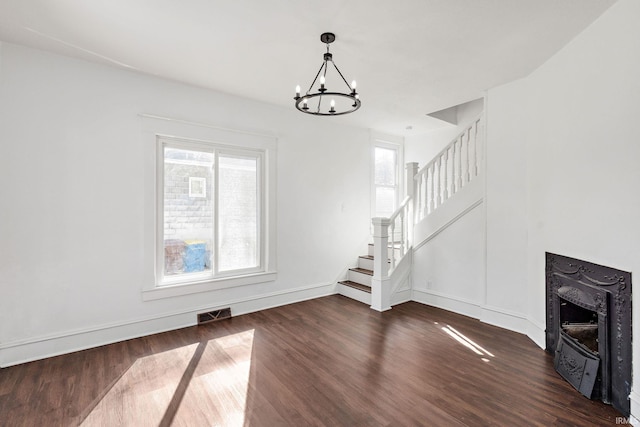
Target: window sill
{"type": "Point", "coordinates": [176, 290]}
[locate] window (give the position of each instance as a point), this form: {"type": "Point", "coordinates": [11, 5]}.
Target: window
{"type": "Point", "coordinates": [385, 181]}
{"type": "Point", "coordinates": [385, 178]}
{"type": "Point", "coordinates": [213, 212]}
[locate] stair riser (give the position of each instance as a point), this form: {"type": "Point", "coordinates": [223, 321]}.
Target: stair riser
{"type": "Point", "coordinates": [364, 279]}
{"type": "Point", "coordinates": [365, 263]}
{"type": "Point", "coordinates": [370, 251]}
{"type": "Point", "coordinates": [354, 294]}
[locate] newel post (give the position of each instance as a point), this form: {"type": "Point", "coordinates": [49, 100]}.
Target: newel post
{"type": "Point", "coordinates": [412, 187]}
{"type": "Point", "coordinates": [380, 282]}
{"type": "Point", "coordinates": [412, 171]}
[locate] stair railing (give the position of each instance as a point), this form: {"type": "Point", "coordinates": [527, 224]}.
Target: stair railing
{"type": "Point", "coordinates": [428, 188]}
{"type": "Point", "coordinates": [391, 241]}
{"type": "Point", "coordinates": [449, 171]}
{"type": "Point", "coordinates": [398, 233]}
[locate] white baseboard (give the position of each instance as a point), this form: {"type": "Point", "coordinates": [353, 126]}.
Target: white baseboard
{"type": "Point", "coordinates": [447, 302]}
{"type": "Point", "coordinates": [537, 333]}
{"type": "Point", "coordinates": [504, 319]}
{"type": "Point", "coordinates": [401, 296]}
{"type": "Point", "coordinates": [27, 350]}
{"type": "Point", "coordinates": [491, 315]}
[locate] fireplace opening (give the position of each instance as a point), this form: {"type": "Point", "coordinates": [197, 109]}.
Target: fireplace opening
{"type": "Point", "coordinates": [585, 334]}
{"type": "Point", "coordinates": [580, 324]}
{"type": "Point", "coordinates": [589, 328]}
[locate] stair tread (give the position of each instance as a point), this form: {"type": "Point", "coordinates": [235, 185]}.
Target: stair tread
{"type": "Point", "coordinates": [362, 270]}
{"type": "Point", "coordinates": [389, 245]}
{"type": "Point", "coordinates": [356, 285]}
{"type": "Point", "coordinates": [370, 257]}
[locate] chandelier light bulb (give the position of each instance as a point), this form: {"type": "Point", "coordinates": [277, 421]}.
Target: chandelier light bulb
{"type": "Point", "coordinates": [333, 105]}
{"type": "Point", "coordinates": [298, 91]}
{"type": "Point", "coordinates": [353, 85]}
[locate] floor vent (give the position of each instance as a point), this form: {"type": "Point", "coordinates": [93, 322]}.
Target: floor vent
{"type": "Point", "coordinates": [212, 316]}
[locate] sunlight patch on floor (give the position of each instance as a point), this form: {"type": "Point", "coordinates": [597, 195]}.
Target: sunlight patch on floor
{"type": "Point", "coordinates": [142, 395]}
{"type": "Point", "coordinates": [198, 384]}
{"type": "Point", "coordinates": [217, 394]}
{"type": "Point", "coordinates": [467, 342]}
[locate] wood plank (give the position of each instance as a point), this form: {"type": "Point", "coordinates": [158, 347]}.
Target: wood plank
{"type": "Point", "coordinates": [356, 285]}
{"type": "Point", "coordinates": [329, 361]}
{"type": "Point", "coordinates": [362, 270]}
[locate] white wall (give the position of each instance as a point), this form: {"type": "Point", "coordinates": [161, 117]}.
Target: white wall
{"type": "Point", "coordinates": [449, 258]}
{"type": "Point", "coordinates": [73, 204]}
{"type": "Point", "coordinates": [566, 138]}
{"type": "Point", "coordinates": [505, 197]}
{"type": "Point", "coordinates": [449, 269]}
{"type": "Point", "coordinates": [422, 148]}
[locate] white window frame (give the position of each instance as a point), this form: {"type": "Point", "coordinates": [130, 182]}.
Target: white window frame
{"type": "Point", "coordinates": [159, 132]}
{"type": "Point", "coordinates": [393, 143]}
{"type": "Point", "coordinates": [202, 184]}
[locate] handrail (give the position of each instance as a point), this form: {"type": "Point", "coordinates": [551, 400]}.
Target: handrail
{"type": "Point", "coordinates": [395, 230]}
{"type": "Point", "coordinates": [391, 240]}
{"type": "Point", "coordinates": [449, 171]}
{"type": "Point", "coordinates": [401, 207]}
{"type": "Point", "coordinates": [455, 139]}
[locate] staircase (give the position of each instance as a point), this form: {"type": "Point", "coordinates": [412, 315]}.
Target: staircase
{"type": "Point", "coordinates": [357, 285]}
{"type": "Point", "coordinates": [383, 284]}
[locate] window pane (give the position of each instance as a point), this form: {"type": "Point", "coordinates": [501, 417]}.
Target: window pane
{"type": "Point", "coordinates": [385, 171]}
{"type": "Point", "coordinates": [188, 224]}
{"type": "Point", "coordinates": [238, 212]}
{"type": "Point", "coordinates": [385, 201]}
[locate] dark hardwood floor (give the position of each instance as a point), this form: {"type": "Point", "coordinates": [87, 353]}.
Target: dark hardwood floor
{"type": "Point", "coordinates": [325, 362]}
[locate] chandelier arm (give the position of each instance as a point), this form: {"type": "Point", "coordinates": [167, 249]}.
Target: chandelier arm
{"type": "Point", "coordinates": [324, 63]}
{"type": "Point", "coordinates": [302, 103]}
{"type": "Point", "coordinates": [343, 79]}
{"type": "Point", "coordinates": [356, 104]}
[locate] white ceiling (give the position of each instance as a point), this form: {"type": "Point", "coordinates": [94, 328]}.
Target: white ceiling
{"type": "Point", "coordinates": [409, 57]}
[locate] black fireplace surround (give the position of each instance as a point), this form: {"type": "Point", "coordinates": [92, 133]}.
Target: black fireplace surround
{"type": "Point", "coordinates": [589, 328]}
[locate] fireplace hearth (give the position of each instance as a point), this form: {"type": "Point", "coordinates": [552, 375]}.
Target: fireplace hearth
{"type": "Point", "coordinates": [589, 328]}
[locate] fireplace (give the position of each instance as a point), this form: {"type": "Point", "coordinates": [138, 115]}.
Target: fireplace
{"type": "Point", "coordinates": [589, 328]}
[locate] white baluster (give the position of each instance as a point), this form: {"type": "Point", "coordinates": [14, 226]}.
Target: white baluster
{"type": "Point", "coordinates": [402, 232]}
{"type": "Point", "coordinates": [460, 163]}
{"type": "Point", "coordinates": [417, 207]}
{"type": "Point", "coordinates": [438, 183]}
{"type": "Point", "coordinates": [445, 194]}
{"type": "Point", "coordinates": [423, 197]}
{"type": "Point", "coordinates": [411, 171]}
{"type": "Point", "coordinates": [468, 154]}
{"type": "Point", "coordinates": [432, 203]}
{"type": "Point", "coordinates": [475, 148]}
{"type": "Point", "coordinates": [392, 234]}
{"type": "Point", "coordinates": [454, 181]}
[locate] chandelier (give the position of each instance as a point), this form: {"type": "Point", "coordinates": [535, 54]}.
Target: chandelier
{"type": "Point", "coordinates": [312, 102]}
